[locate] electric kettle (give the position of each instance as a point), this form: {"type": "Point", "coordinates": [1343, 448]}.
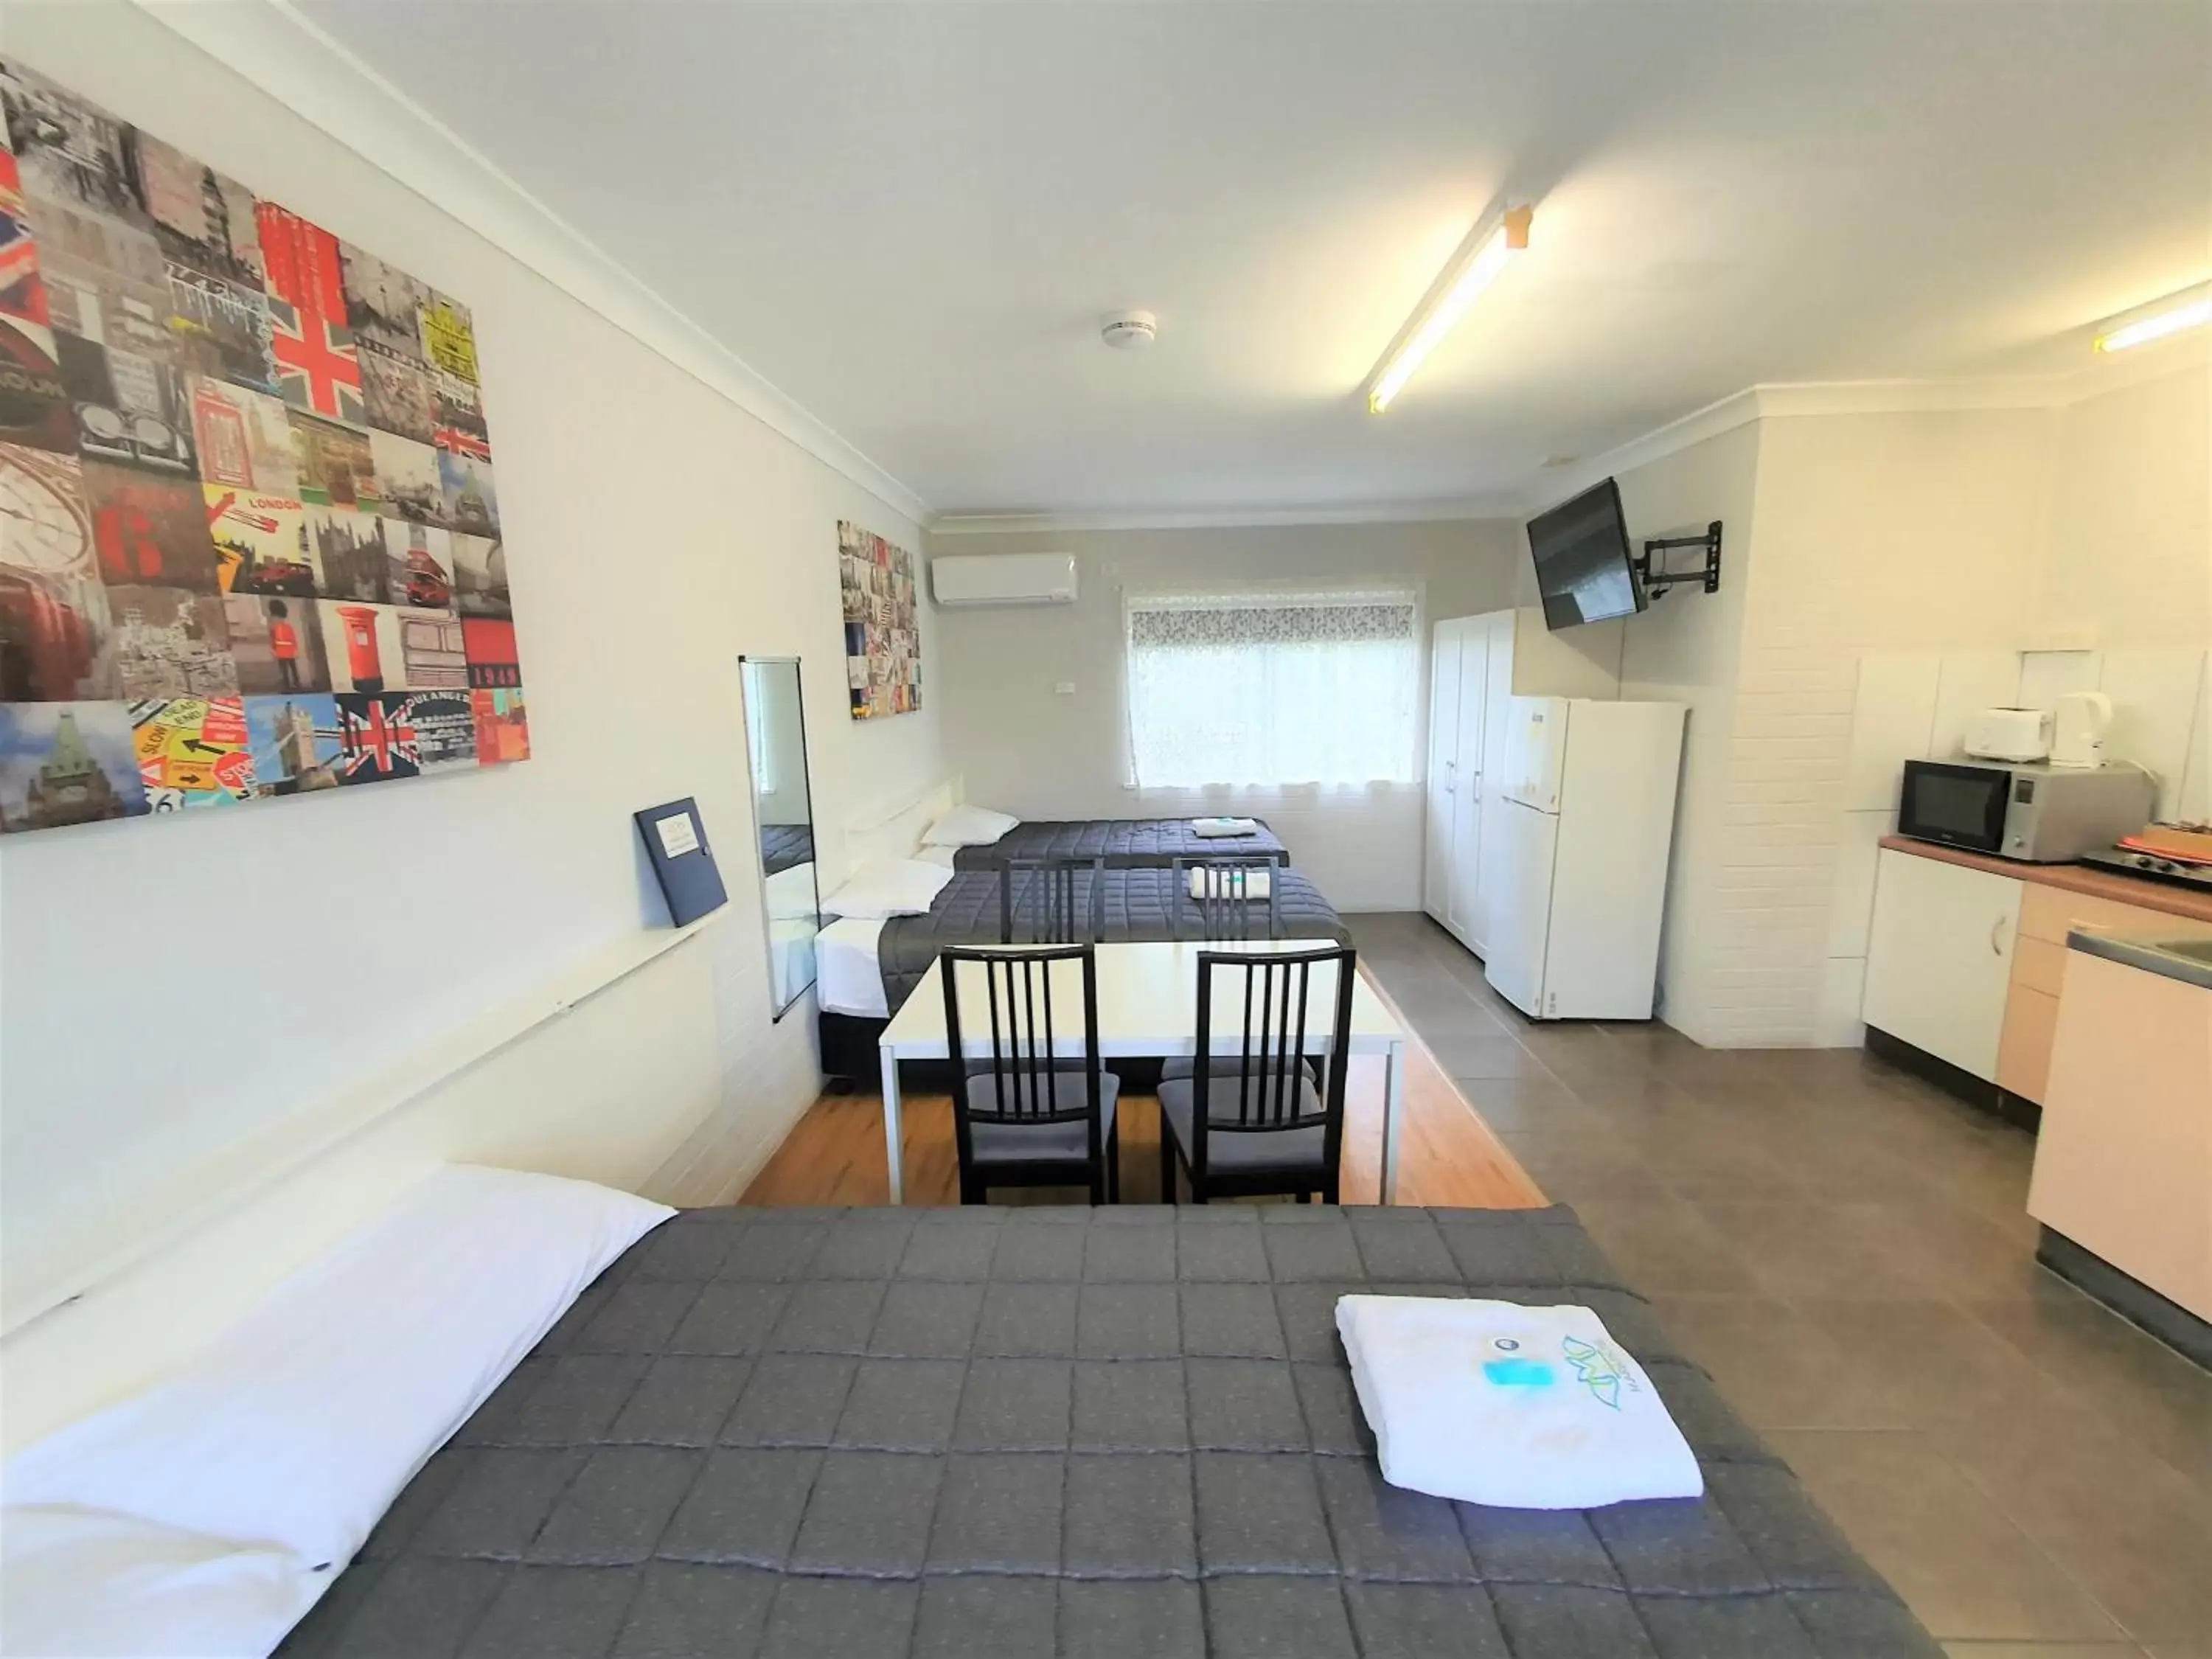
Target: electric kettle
{"type": "Point", "coordinates": [2078, 722]}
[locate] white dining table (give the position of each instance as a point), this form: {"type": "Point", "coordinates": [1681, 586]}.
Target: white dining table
{"type": "Point", "coordinates": [1147, 1006]}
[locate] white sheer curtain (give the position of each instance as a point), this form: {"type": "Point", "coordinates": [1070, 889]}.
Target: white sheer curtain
{"type": "Point", "coordinates": [1271, 688]}
{"type": "Point", "coordinates": [756, 743]}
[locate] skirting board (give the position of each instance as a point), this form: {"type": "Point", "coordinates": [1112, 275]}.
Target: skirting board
{"type": "Point", "coordinates": [1955, 1081]}
{"type": "Point", "coordinates": [2127, 1296]}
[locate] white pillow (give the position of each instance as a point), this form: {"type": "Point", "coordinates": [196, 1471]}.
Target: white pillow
{"type": "Point", "coordinates": [297, 1427]}
{"type": "Point", "coordinates": [889, 887]}
{"type": "Point", "coordinates": [943, 857]}
{"type": "Point", "coordinates": [967, 826]}
{"type": "Point", "coordinates": [791, 894]}
{"type": "Point", "coordinates": [85, 1584]}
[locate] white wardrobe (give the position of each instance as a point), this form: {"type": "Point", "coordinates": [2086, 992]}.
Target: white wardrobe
{"type": "Point", "coordinates": [1476, 663]}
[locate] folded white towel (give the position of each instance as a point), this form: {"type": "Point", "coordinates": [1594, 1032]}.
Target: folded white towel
{"type": "Point", "coordinates": [1536, 1408]}
{"type": "Point", "coordinates": [1227, 883]}
{"type": "Point", "coordinates": [1215, 828]}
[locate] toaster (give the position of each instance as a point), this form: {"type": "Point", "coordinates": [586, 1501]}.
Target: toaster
{"type": "Point", "coordinates": [2009, 734]}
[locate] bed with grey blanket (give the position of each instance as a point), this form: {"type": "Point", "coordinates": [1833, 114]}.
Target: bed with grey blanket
{"type": "Point", "coordinates": [982, 1433]}
{"type": "Point", "coordinates": [1136, 904]}
{"type": "Point", "coordinates": [786, 846]}
{"type": "Point", "coordinates": [1124, 843]}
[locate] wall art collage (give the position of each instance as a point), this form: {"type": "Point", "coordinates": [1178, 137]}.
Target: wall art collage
{"type": "Point", "coordinates": [883, 643]}
{"type": "Point", "coordinates": [249, 533]}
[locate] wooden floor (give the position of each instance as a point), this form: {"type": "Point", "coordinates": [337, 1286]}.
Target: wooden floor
{"type": "Point", "coordinates": [835, 1154]}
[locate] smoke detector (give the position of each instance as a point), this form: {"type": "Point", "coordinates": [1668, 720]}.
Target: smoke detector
{"type": "Point", "coordinates": [1126, 331]}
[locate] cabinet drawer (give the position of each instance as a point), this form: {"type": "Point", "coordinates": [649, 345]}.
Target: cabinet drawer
{"type": "Point", "coordinates": [2037, 964]}
{"type": "Point", "coordinates": [2047, 912]}
{"type": "Point", "coordinates": [2024, 1054]}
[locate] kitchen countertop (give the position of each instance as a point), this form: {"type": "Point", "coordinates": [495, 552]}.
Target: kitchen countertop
{"type": "Point", "coordinates": [2167, 897]}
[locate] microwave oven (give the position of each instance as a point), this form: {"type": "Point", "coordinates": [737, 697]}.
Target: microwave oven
{"type": "Point", "coordinates": [2040, 814]}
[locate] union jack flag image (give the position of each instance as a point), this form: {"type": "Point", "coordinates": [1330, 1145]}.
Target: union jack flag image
{"type": "Point", "coordinates": [22, 292]}
{"type": "Point", "coordinates": [317, 366]}
{"type": "Point", "coordinates": [376, 738]}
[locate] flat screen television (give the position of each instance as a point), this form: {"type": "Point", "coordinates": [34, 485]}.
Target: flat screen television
{"type": "Point", "coordinates": [1582, 554]}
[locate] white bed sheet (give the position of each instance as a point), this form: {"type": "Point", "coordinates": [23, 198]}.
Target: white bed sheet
{"type": "Point", "coordinates": [848, 976]}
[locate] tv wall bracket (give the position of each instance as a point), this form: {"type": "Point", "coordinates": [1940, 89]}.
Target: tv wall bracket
{"type": "Point", "coordinates": [1651, 569]}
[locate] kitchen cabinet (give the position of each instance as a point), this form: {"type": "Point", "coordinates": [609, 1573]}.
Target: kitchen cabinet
{"type": "Point", "coordinates": [1477, 664]}
{"type": "Point", "coordinates": [2047, 913]}
{"type": "Point", "coordinates": [1940, 958]}
{"type": "Point", "coordinates": [2124, 1162]}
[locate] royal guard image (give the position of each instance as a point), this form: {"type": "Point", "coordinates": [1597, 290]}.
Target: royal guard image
{"type": "Point", "coordinates": [284, 644]}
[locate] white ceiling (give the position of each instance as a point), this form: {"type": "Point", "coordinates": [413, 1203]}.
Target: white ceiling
{"type": "Point", "coordinates": [909, 217]}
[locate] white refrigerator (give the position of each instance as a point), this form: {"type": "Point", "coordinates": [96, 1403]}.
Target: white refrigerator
{"type": "Point", "coordinates": [1583, 831]}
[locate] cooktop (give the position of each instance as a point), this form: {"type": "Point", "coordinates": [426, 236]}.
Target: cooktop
{"type": "Point", "coordinates": [2129, 862]}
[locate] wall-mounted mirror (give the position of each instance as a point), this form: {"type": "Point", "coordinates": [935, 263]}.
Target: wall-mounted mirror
{"type": "Point", "coordinates": [783, 807]}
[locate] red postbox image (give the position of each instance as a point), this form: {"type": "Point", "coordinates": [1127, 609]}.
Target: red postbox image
{"type": "Point", "coordinates": [363, 664]}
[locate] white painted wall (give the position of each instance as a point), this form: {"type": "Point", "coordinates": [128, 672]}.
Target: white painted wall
{"type": "Point", "coordinates": [1024, 749]}
{"type": "Point", "coordinates": [181, 998]}
{"type": "Point", "coordinates": [2129, 563]}
{"type": "Point", "coordinates": [1686, 649]}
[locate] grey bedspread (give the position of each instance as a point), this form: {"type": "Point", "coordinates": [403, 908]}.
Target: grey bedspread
{"type": "Point", "coordinates": [1139, 904]}
{"type": "Point", "coordinates": [884, 1434]}
{"type": "Point", "coordinates": [786, 846]}
{"type": "Point", "coordinates": [1124, 843]}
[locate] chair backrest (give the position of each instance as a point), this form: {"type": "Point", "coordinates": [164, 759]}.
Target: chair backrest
{"type": "Point", "coordinates": [1265, 997]}
{"type": "Point", "coordinates": [1227, 904]}
{"type": "Point", "coordinates": [1018, 991]}
{"type": "Point", "coordinates": [1052, 901]}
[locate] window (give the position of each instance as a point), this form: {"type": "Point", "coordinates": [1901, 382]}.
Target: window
{"type": "Point", "coordinates": [1271, 688]}
{"type": "Point", "coordinates": [756, 743]}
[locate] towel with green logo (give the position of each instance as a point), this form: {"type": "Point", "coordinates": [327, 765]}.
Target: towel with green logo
{"type": "Point", "coordinates": [1492, 1402]}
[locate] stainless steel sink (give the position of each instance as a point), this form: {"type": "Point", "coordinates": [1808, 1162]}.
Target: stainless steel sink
{"type": "Point", "coordinates": [2189, 960]}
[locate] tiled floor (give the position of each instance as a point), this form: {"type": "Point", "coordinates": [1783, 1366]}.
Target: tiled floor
{"type": "Point", "coordinates": [1847, 1251]}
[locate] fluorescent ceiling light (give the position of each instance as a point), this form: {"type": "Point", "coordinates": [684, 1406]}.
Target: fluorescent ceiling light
{"type": "Point", "coordinates": [2195, 314]}
{"type": "Point", "coordinates": [1473, 268]}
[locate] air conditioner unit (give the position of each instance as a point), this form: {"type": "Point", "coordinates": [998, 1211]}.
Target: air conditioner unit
{"type": "Point", "coordinates": [1004, 579]}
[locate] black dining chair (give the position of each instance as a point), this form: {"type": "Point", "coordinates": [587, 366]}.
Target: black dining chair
{"type": "Point", "coordinates": [1022, 1116]}
{"type": "Point", "coordinates": [1052, 901]}
{"type": "Point", "coordinates": [1226, 898]}
{"type": "Point", "coordinates": [1269, 1117]}
{"type": "Point", "coordinates": [1220, 899]}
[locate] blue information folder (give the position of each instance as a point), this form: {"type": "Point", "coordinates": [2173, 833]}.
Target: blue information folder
{"type": "Point", "coordinates": [676, 841]}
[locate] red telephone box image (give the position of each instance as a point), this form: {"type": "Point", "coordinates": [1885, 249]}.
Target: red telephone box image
{"type": "Point", "coordinates": [363, 663]}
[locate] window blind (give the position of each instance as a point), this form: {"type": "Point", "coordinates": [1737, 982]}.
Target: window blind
{"type": "Point", "coordinates": [1273, 689]}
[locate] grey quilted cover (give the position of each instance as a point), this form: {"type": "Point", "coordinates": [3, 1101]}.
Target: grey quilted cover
{"type": "Point", "coordinates": [1124, 843]}
{"type": "Point", "coordinates": [786, 846]}
{"type": "Point", "coordinates": [1112, 1433]}
{"type": "Point", "coordinates": [1139, 905]}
